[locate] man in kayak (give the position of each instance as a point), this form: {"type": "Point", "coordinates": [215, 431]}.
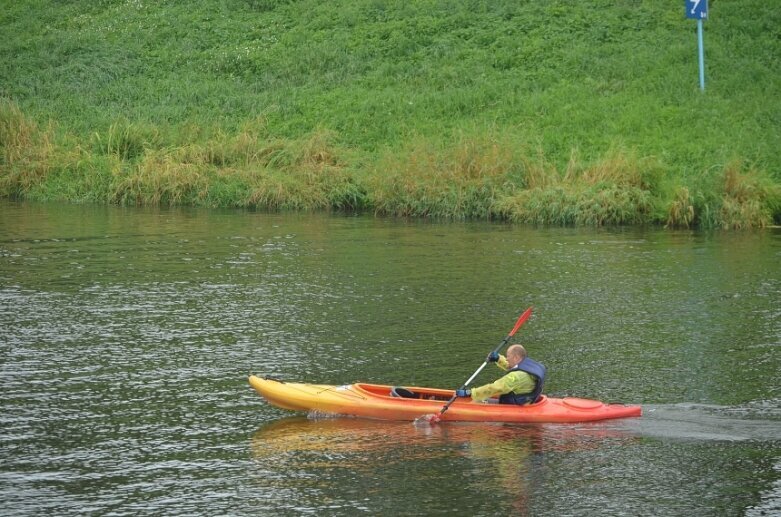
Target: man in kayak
{"type": "Point", "coordinates": [521, 385]}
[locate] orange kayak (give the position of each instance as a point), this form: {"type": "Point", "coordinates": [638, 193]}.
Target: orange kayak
{"type": "Point", "coordinates": [392, 403]}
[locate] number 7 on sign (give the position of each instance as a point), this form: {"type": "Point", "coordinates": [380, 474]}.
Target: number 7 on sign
{"type": "Point", "coordinates": [697, 9]}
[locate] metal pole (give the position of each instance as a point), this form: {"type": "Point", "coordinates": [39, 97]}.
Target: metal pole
{"type": "Point", "coordinates": [702, 54]}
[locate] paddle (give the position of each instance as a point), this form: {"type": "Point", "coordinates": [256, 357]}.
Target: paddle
{"type": "Point", "coordinates": [433, 419]}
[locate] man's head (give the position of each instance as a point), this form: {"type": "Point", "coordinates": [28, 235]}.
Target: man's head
{"type": "Point", "coordinates": [515, 354]}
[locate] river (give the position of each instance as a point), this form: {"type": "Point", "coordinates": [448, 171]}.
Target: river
{"type": "Point", "coordinates": [128, 335]}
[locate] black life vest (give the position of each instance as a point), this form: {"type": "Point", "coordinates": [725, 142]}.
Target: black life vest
{"type": "Point", "coordinates": [537, 371]}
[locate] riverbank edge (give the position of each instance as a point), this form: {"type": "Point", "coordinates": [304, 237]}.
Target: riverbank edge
{"type": "Point", "coordinates": [479, 175]}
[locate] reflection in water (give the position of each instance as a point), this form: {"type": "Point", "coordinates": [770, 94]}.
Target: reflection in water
{"type": "Point", "coordinates": [326, 452]}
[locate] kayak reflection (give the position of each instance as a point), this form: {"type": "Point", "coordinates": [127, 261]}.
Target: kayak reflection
{"type": "Point", "coordinates": [356, 435]}
{"type": "Point", "coordinates": [309, 452]}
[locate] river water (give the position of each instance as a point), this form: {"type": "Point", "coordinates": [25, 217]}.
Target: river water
{"type": "Point", "coordinates": [128, 335]}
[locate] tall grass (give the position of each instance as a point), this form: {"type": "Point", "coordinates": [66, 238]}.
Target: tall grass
{"type": "Point", "coordinates": [126, 140]}
{"type": "Point", "coordinates": [26, 151]}
{"type": "Point", "coordinates": [243, 170]}
{"type": "Point", "coordinates": [736, 196]}
{"type": "Point", "coordinates": [482, 174]}
{"type": "Point", "coordinates": [749, 198]}
{"type": "Point", "coordinates": [464, 180]}
{"type": "Point", "coordinates": [617, 189]}
{"type": "Point", "coordinates": [304, 174]}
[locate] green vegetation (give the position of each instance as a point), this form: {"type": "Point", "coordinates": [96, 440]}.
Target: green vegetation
{"type": "Point", "coordinates": [546, 112]}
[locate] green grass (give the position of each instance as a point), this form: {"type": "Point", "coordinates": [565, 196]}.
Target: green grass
{"type": "Point", "coordinates": [546, 112]}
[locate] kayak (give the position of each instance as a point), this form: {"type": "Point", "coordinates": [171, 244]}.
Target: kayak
{"type": "Point", "coordinates": [409, 403]}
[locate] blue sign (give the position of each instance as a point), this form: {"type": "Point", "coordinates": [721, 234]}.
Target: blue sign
{"type": "Point", "coordinates": [697, 9]}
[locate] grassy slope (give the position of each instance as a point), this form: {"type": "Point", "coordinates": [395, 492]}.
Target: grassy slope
{"type": "Point", "coordinates": [396, 90]}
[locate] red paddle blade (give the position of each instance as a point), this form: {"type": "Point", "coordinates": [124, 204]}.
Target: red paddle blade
{"type": "Point", "coordinates": [521, 320]}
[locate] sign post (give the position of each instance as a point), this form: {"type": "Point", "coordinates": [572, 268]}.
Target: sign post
{"type": "Point", "coordinates": [698, 10]}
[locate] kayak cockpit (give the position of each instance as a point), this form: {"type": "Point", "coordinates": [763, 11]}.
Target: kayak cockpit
{"type": "Point", "coordinates": [404, 392]}
{"type": "Point", "coordinates": [416, 393]}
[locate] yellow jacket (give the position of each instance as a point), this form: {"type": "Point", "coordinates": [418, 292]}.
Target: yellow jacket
{"type": "Point", "coordinates": [516, 382]}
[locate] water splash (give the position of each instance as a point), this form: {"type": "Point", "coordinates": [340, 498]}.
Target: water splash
{"type": "Point", "coordinates": [426, 420]}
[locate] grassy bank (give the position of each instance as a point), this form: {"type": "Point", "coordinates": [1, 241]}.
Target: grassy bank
{"type": "Point", "coordinates": [542, 112]}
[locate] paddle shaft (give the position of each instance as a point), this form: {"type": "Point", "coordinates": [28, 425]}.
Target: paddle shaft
{"type": "Point", "coordinates": [521, 320]}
